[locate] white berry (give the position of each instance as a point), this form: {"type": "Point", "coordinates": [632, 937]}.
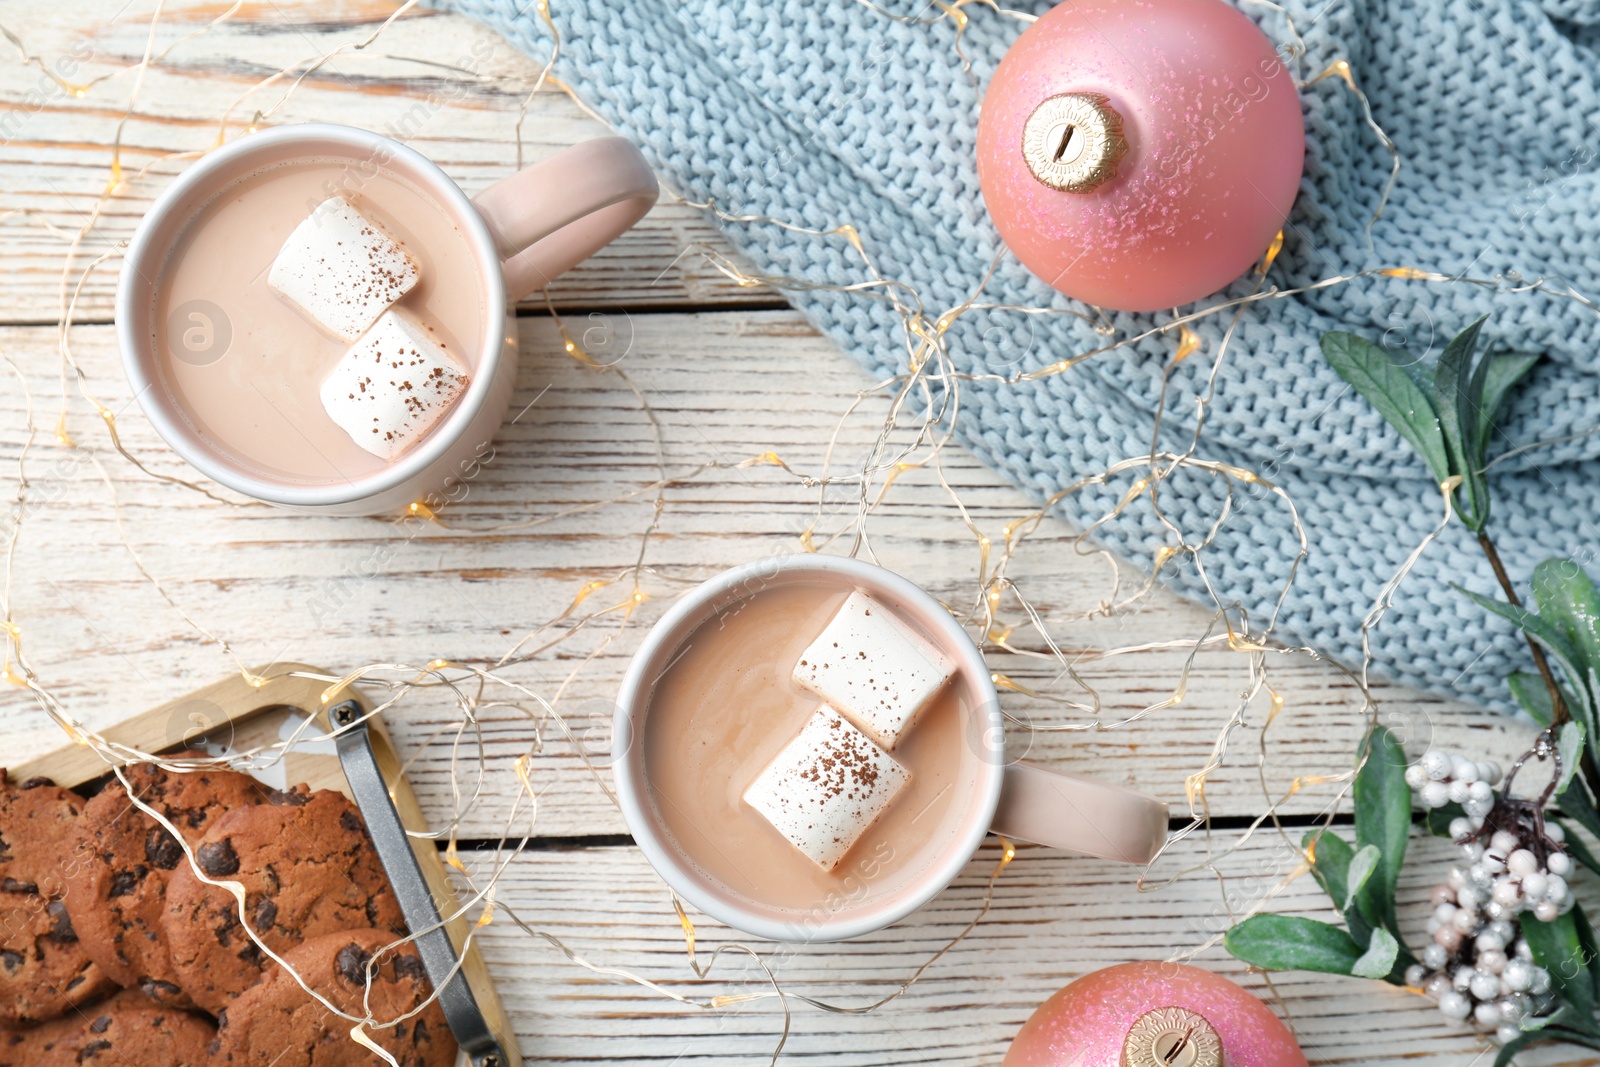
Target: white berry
{"type": "Point", "coordinates": [1484, 987]}
{"type": "Point", "coordinates": [1506, 1033]}
{"type": "Point", "coordinates": [1435, 795]}
{"type": "Point", "coordinates": [1518, 974]}
{"type": "Point", "coordinates": [1453, 1005]}
{"type": "Point", "coordinates": [1435, 956]}
{"type": "Point", "coordinates": [1416, 777]}
{"type": "Point", "coordinates": [1475, 808]}
{"type": "Point", "coordinates": [1481, 791]}
{"type": "Point", "coordinates": [1535, 885]}
{"type": "Point", "coordinates": [1492, 961]}
{"type": "Point", "coordinates": [1458, 792]}
{"type": "Point", "coordinates": [1456, 878]}
{"type": "Point", "coordinates": [1541, 982]}
{"type": "Point", "coordinates": [1555, 888]}
{"type": "Point", "coordinates": [1489, 771]}
{"type": "Point", "coordinates": [1522, 863]}
{"type": "Point", "coordinates": [1554, 831]}
{"type": "Point", "coordinates": [1504, 841]}
{"type": "Point", "coordinates": [1545, 911]}
{"type": "Point", "coordinates": [1436, 765]}
{"type": "Point", "coordinates": [1507, 893]}
{"type": "Point", "coordinates": [1559, 864]}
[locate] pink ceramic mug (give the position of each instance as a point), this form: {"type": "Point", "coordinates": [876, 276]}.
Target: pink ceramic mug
{"type": "Point", "coordinates": [1019, 800]}
{"type": "Point", "coordinates": [523, 231]}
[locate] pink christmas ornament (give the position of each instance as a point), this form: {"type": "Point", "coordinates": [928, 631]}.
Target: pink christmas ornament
{"type": "Point", "coordinates": [1140, 154]}
{"type": "Point", "coordinates": [1153, 1015]}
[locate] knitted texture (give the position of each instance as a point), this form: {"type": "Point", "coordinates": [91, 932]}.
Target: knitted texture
{"type": "Point", "coordinates": [820, 113]}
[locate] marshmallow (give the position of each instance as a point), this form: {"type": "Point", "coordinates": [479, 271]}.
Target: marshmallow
{"type": "Point", "coordinates": [390, 388]}
{"type": "Point", "coordinates": [342, 269]}
{"type": "Point", "coordinates": [873, 668]}
{"type": "Point", "coordinates": [826, 787]}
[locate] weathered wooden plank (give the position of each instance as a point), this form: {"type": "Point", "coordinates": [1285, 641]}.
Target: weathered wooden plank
{"type": "Point", "coordinates": [444, 84]}
{"type": "Point", "coordinates": [725, 388]}
{"type": "Point", "coordinates": [1054, 918]}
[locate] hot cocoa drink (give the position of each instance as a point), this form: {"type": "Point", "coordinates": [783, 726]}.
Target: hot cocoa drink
{"type": "Point", "coordinates": [810, 751]}
{"type": "Point", "coordinates": [316, 319]}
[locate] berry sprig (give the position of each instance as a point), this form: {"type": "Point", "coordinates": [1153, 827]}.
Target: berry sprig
{"type": "Point", "coordinates": [1479, 967]}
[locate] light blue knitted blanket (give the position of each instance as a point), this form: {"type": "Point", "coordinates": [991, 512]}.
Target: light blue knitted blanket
{"type": "Point", "coordinates": [826, 111]}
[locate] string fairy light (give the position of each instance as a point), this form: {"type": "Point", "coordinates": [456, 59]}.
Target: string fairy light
{"type": "Point", "coordinates": [917, 424]}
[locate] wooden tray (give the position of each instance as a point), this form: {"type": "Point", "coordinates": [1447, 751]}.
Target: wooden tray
{"type": "Point", "coordinates": [360, 762]}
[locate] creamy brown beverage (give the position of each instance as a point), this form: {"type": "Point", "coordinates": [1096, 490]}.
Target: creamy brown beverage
{"type": "Point", "coordinates": [728, 704]}
{"type": "Point", "coordinates": [244, 365]}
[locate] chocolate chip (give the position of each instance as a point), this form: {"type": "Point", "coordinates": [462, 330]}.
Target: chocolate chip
{"type": "Point", "coordinates": [61, 931]}
{"type": "Point", "coordinates": [352, 964]}
{"type": "Point", "coordinates": [10, 960]}
{"type": "Point", "coordinates": [123, 883]}
{"type": "Point", "coordinates": [352, 822]}
{"type": "Point", "coordinates": [35, 783]}
{"type": "Point", "coordinates": [101, 1025]}
{"type": "Point", "coordinates": [406, 966]}
{"type": "Point", "coordinates": [290, 798]}
{"type": "Point", "coordinates": [419, 1033]}
{"type": "Point", "coordinates": [11, 885]}
{"type": "Point", "coordinates": [162, 849]}
{"type": "Point", "coordinates": [265, 915]}
{"type": "Point", "coordinates": [218, 859]}
{"type": "Point", "coordinates": [92, 1050]}
{"type": "Point", "coordinates": [157, 990]}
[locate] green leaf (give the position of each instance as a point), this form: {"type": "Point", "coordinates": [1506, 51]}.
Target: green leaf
{"type": "Point", "coordinates": [1567, 599]}
{"type": "Point", "coordinates": [1558, 948]}
{"type": "Point", "coordinates": [1532, 695]}
{"type": "Point", "coordinates": [1362, 864]}
{"type": "Point", "coordinates": [1383, 820]}
{"type": "Point", "coordinates": [1504, 372]}
{"type": "Point", "coordinates": [1379, 959]}
{"type": "Point", "coordinates": [1293, 943]}
{"type": "Point", "coordinates": [1438, 819]}
{"type": "Point", "coordinates": [1539, 1035]}
{"type": "Point", "coordinates": [1569, 746]}
{"type": "Point", "coordinates": [1374, 374]}
{"type": "Point", "coordinates": [1547, 634]}
{"type": "Point", "coordinates": [1576, 805]}
{"type": "Point", "coordinates": [1458, 396]}
{"type": "Point", "coordinates": [1330, 865]}
{"type": "Point", "coordinates": [1580, 851]}
{"type": "Point", "coordinates": [1517, 1044]}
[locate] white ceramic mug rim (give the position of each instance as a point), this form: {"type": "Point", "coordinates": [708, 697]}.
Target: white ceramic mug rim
{"type": "Point", "coordinates": [160, 408]}
{"type": "Point", "coordinates": [633, 701]}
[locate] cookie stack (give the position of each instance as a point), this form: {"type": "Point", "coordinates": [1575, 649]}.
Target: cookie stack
{"type": "Point", "coordinates": [114, 949]}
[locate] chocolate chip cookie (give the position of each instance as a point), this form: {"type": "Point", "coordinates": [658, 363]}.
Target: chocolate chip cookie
{"type": "Point", "coordinates": [44, 969]}
{"type": "Point", "coordinates": [125, 1030]}
{"type": "Point", "coordinates": [307, 868]}
{"type": "Point", "coordinates": [276, 1023]}
{"type": "Point", "coordinates": [118, 902]}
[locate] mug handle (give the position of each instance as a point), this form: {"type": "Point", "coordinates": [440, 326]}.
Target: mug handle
{"type": "Point", "coordinates": [1079, 814]}
{"type": "Point", "coordinates": [548, 218]}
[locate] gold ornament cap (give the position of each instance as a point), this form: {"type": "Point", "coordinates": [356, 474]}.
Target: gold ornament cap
{"type": "Point", "coordinates": [1172, 1037]}
{"type": "Point", "coordinates": [1074, 141]}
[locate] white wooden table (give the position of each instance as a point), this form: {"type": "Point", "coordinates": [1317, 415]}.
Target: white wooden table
{"type": "Point", "coordinates": [729, 373]}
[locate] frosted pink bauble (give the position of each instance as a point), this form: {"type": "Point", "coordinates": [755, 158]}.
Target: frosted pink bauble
{"type": "Point", "coordinates": [1214, 143]}
{"type": "Point", "coordinates": [1088, 1023]}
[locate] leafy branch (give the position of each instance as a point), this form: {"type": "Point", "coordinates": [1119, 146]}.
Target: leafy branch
{"type": "Point", "coordinates": [1448, 415]}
